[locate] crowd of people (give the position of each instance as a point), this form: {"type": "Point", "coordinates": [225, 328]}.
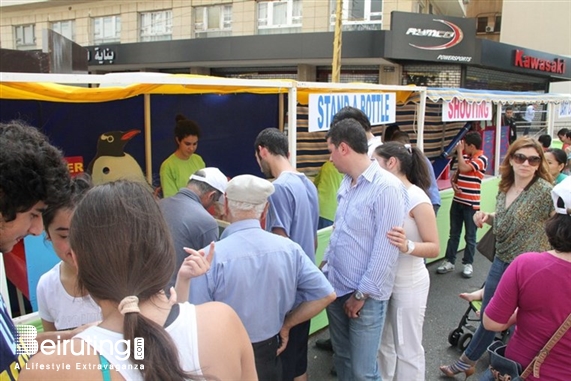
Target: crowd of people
{"type": "Point", "coordinates": [236, 304]}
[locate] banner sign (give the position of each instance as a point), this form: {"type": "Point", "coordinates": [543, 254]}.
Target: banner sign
{"type": "Point", "coordinates": [380, 108]}
{"type": "Point", "coordinates": [456, 110]}
{"type": "Point", "coordinates": [565, 110]}
{"type": "Point", "coordinates": [75, 165]}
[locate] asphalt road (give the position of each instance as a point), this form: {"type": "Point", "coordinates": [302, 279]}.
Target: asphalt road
{"type": "Point", "coordinates": [444, 312]}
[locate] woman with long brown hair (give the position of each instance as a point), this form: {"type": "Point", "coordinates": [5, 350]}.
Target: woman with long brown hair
{"type": "Point", "coordinates": [125, 258]}
{"type": "Point", "coordinates": [523, 204]}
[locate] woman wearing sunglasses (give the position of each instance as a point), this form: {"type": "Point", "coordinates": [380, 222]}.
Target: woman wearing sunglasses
{"type": "Point", "coordinates": [523, 204]}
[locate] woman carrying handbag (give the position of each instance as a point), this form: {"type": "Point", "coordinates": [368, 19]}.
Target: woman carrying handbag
{"type": "Point", "coordinates": [534, 294]}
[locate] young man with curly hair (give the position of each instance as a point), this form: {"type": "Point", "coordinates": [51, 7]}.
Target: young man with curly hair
{"type": "Point", "coordinates": [33, 174]}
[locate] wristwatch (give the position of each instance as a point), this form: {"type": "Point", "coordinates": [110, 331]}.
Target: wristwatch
{"type": "Point", "coordinates": [410, 246]}
{"type": "Point", "coordinates": [358, 295]}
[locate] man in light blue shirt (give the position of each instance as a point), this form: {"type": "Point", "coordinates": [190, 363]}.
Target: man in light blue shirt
{"type": "Point", "coordinates": [293, 213]}
{"type": "Point", "coordinates": [261, 275]}
{"type": "Point", "coordinates": [360, 262]}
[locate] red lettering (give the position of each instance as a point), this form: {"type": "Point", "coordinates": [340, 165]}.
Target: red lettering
{"type": "Point", "coordinates": [529, 62]}
{"type": "Point", "coordinates": [451, 110]}
{"type": "Point", "coordinates": [518, 58]}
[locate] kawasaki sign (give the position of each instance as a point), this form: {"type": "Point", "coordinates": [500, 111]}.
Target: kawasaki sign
{"type": "Point", "coordinates": [557, 65]}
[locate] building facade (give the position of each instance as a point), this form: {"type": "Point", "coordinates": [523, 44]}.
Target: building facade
{"type": "Point", "coordinates": [294, 39]}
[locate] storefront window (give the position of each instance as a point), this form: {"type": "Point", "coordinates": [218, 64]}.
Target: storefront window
{"type": "Point", "coordinates": [25, 36]}
{"type": "Point", "coordinates": [486, 79]}
{"type": "Point", "coordinates": [65, 28]}
{"type": "Point", "coordinates": [279, 14]}
{"type": "Point", "coordinates": [106, 29]}
{"type": "Point", "coordinates": [156, 26]}
{"type": "Point", "coordinates": [359, 14]}
{"type": "Point", "coordinates": [213, 21]}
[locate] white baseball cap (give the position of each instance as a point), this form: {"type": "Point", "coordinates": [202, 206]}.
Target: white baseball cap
{"type": "Point", "coordinates": [248, 188]}
{"type": "Point", "coordinates": [562, 191]}
{"type": "Point", "coordinates": [213, 177]}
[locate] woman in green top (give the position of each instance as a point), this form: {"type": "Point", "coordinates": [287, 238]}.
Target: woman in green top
{"type": "Point", "coordinates": [177, 168]}
{"type": "Point", "coordinates": [556, 160]}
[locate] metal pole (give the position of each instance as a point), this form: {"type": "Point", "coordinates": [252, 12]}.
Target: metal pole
{"type": "Point", "coordinates": [336, 65]}
{"type": "Point", "coordinates": [148, 150]}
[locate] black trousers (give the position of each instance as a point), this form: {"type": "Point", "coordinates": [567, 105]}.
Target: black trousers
{"type": "Point", "coordinates": [268, 365]}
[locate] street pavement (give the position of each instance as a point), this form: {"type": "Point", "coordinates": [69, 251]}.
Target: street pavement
{"type": "Point", "coordinates": [444, 312]}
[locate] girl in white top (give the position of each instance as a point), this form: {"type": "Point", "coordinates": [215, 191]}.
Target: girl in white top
{"type": "Point", "coordinates": [401, 355]}
{"type": "Point", "coordinates": [125, 258]}
{"type": "Point", "coordinates": [61, 303]}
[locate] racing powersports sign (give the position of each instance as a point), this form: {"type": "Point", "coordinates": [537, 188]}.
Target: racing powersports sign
{"type": "Point", "coordinates": [432, 38]}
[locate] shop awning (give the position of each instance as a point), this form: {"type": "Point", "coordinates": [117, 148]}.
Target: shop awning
{"type": "Point", "coordinates": [505, 97]}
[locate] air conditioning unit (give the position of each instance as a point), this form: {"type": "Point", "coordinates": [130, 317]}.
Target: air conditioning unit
{"type": "Point", "coordinates": [489, 29]}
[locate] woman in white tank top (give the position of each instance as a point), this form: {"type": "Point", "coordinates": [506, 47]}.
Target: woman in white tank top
{"type": "Point", "coordinates": [401, 355]}
{"type": "Point", "coordinates": [125, 258]}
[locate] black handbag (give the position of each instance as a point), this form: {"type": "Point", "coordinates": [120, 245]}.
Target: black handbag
{"type": "Point", "coordinates": [487, 245]}
{"type": "Point", "coordinates": [504, 369]}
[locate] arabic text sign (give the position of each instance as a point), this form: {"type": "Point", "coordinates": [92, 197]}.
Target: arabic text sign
{"type": "Point", "coordinates": [456, 110]}
{"type": "Point", "coordinates": [380, 108]}
{"type": "Point", "coordinates": [565, 110]}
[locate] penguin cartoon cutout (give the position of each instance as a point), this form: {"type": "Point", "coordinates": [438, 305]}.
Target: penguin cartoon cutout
{"type": "Point", "coordinates": [111, 162]}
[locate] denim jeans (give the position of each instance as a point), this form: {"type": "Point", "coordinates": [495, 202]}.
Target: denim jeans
{"type": "Point", "coordinates": [483, 338]}
{"type": "Point", "coordinates": [356, 341]}
{"type": "Point", "coordinates": [461, 215]}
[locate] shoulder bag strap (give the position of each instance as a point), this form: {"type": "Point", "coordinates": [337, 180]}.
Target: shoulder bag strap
{"type": "Point", "coordinates": [535, 364]}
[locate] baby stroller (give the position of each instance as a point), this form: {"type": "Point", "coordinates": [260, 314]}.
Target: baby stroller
{"type": "Point", "coordinates": [461, 336]}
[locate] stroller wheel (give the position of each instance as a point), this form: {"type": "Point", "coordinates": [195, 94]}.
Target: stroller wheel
{"type": "Point", "coordinates": [454, 335]}
{"type": "Point", "coordinates": [464, 341]}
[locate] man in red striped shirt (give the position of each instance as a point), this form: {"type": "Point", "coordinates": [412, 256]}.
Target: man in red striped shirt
{"type": "Point", "coordinates": [466, 184]}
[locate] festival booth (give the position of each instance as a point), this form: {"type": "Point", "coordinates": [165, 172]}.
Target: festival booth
{"type": "Point", "coordinates": [230, 111]}
{"type": "Point", "coordinates": [449, 112]}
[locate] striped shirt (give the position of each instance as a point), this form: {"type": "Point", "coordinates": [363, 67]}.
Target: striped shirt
{"type": "Point", "coordinates": [359, 255]}
{"type": "Point", "coordinates": [470, 183]}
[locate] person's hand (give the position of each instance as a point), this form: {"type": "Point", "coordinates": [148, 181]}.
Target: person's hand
{"type": "Point", "coordinates": [460, 147]}
{"type": "Point", "coordinates": [196, 264]}
{"type": "Point", "coordinates": [172, 298]}
{"type": "Point", "coordinates": [353, 307]}
{"type": "Point", "coordinates": [480, 218]}
{"type": "Point", "coordinates": [397, 238]}
{"type": "Point", "coordinates": [284, 338]}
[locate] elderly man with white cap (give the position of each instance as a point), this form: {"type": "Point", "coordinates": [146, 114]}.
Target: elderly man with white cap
{"type": "Point", "coordinates": [260, 275]}
{"type": "Point", "coordinates": [189, 222]}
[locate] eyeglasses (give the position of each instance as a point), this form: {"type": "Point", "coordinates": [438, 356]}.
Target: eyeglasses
{"type": "Point", "coordinates": [532, 160]}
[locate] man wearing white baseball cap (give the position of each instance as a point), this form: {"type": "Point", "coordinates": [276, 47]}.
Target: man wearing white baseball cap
{"type": "Point", "coordinates": [261, 275]}
{"type": "Point", "coordinates": [189, 222]}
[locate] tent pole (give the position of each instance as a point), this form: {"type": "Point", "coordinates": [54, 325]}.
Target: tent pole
{"type": "Point", "coordinates": [148, 154]}
{"type": "Point", "coordinates": [421, 115]}
{"type": "Point", "coordinates": [281, 112]}
{"type": "Point", "coordinates": [292, 125]}
{"type": "Point", "coordinates": [498, 140]}
{"type": "Point", "coordinates": [550, 118]}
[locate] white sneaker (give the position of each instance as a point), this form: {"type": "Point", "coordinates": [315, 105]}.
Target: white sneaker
{"type": "Point", "coordinates": [445, 267]}
{"type": "Point", "coordinates": [468, 271]}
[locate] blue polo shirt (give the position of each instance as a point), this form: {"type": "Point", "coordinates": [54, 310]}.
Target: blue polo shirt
{"type": "Point", "coordinates": [259, 274]}
{"type": "Point", "coordinates": [294, 207]}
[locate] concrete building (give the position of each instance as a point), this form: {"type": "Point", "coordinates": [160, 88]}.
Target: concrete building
{"type": "Point", "coordinates": [293, 38]}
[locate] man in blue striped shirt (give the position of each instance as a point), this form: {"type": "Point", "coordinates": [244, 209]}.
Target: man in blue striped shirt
{"type": "Point", "coordinates": [360, 262]}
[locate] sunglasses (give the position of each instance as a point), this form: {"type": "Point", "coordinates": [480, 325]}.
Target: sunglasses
{"type": "Point", "coordinates": [532, 160]}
